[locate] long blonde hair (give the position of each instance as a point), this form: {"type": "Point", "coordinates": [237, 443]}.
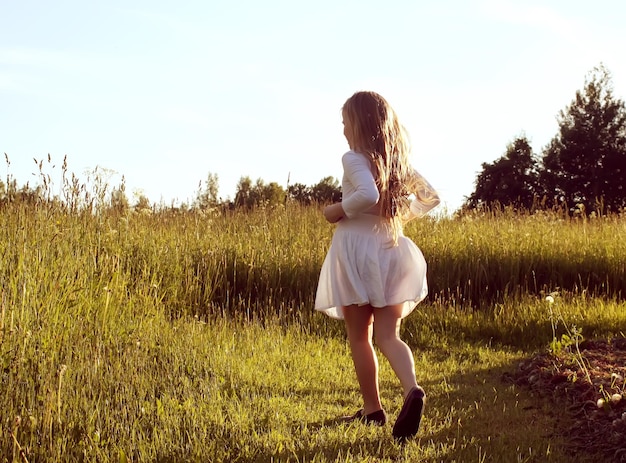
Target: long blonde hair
{"type": "Point", "coordinates": [376, 132]}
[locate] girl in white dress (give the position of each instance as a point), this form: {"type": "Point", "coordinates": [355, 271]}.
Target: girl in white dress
{"type": "Point", "coordinates": [373, 275]}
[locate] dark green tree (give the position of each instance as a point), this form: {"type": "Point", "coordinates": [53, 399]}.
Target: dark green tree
{"type": "Point", "coordinates": [300, 192]}
{"type": "Point", "coordinates": [512, 180]}
{"type": "Point", "coordinates": [326, 191]}
{"type": "Point", "coordinates": [585, 163]}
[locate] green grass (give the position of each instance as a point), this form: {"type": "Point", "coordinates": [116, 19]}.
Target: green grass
{"type": "Point", "coordinates": [191, 337]}
{"type": "Point", "coordinates": [191, 390]}
{"type": "Point", "coordinates": [485, 259]}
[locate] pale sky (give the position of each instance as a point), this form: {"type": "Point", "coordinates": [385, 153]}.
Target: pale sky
{"type": "Point", "coordinates": [165, 93]}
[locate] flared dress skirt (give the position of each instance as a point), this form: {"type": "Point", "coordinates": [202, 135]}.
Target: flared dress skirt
{"type": "Point", "coordinates": [364, 267]}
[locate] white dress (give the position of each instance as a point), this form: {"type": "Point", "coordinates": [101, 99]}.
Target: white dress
{"type": "Point", "coordinates": [362, 265]}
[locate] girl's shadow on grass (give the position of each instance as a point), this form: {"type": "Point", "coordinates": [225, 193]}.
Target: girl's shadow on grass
{"type": "Point", "coordinates": [470, 414]}
{"type": "Point", "coordinates": [330, 422]}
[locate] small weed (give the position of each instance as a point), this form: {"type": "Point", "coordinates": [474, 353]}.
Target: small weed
{"type": "Point", "coordinates": [572, 337]}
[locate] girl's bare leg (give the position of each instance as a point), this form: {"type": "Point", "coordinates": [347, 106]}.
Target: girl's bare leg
{"type": "Point", "coordinates": [387, 331]}
{"type": "Point", "coordinates": [358, 320]}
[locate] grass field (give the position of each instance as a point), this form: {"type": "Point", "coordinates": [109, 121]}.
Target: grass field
{"type": "Point", "coordinates": [191, 337]}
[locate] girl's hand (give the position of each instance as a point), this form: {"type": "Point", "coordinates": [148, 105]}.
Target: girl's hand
{"type": "Point", "coordinates": [334, 213]}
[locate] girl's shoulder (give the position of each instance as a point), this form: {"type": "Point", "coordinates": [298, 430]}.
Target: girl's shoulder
{"type": "Point", "coordinates": [353, 161]}
{"type": "Point", "coordinates": [352, 156]}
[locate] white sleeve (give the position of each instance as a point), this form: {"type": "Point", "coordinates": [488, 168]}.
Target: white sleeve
{"type": "Point", "coordinates": [426, 198]}
{"type": "Point", "coordinates": [357, 170]}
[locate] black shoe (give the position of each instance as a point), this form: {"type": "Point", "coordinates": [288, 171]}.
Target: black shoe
{"type": "Point", "coordinates": [408, 422]}
{"type": "Point", "coordinates": [378, 418]}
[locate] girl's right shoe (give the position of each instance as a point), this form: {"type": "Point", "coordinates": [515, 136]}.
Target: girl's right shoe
{"type": "Point", "coordinates": [410, 417]}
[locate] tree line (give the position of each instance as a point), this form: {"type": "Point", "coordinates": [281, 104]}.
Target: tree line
{"type": "Point", "coordinates": [97, 193]}
{"type": "Point", "coordinates": [581, 170]}
{"type": "Point", "coordinates": [249, 194]}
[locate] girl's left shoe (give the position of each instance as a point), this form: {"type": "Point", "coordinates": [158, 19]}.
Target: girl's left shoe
{"type": "Point", "coordinates": [378, 418]}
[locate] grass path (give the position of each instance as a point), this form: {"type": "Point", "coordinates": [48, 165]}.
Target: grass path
{"type": "Point", "coordinates": [221, 391]}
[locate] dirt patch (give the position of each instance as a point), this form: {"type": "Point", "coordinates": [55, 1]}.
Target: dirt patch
{"type": "Point", "coordinates": [589, 384]}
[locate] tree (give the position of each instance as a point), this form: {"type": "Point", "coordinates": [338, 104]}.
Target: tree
{"type": "Point", "coordinates": [301, 193]}
{"type": "Point", "coordinates": [259, 194]}
{"type": "Point", "coordinates": [250, 195]}
{"type": "Point", "coordinates": [244, 192]}
{"type": "Point", "coordinates": [119, 201]}
{"type": "Point", "coordinates": [512, 180]}
{"type": "Point", "coordinates": [11, 193]}
{"type": "Point", "coordinates": [326, 191]}
{"type": "Point", "coordinates": [142, 203]}
{"type": "Point", "coordinates": [585, 163]}
{"type": "Point", "coordinates": [207, 197]}
{"type": "Point", "coordinates": [273, 194]}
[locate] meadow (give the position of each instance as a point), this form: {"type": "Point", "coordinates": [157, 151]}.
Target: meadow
{"type": "Point", "coordinates": [171, 336]}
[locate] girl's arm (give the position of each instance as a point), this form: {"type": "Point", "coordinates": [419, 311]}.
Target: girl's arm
{"type": "Point", "coordinates": [426, 198]}
{"type": "Point", "coordinates": [357, 170]}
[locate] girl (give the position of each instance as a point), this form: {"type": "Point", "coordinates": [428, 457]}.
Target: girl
{"type": "Point", "coordinates": [373, 276]}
